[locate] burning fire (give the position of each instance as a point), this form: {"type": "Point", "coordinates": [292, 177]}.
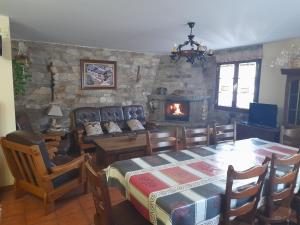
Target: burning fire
{"type": "Point", "coordinates": [176, 109]}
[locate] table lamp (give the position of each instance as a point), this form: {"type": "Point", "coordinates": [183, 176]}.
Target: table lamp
{"type": "Point", "coordinates": [54, 111]}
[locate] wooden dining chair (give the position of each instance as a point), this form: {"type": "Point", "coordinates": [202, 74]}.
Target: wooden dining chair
{"type": "Point", "coordinates": [224, 133]}
{"type": "Point", "coordinates": [296, 208]}
{"type": "Point", "coordinates": [106, 214]}
{"type": "Point", "coordinates": [278, 202]}
{"type": "Point", "coordinates": [159, 142]}
{"type": "Point", "coordinates": [290, 136]}
{"type": "Point", "coordinates": [193, 137]}
{"type": "Point", "coordinates": [244, 213]}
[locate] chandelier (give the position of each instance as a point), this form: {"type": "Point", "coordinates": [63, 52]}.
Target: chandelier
{"type": "Point", "coordinates": [197, 51]}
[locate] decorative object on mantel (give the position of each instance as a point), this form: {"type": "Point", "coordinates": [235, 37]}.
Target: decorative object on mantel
{"type": "Point", "coordinates": [161, 91]}
{"type": "Point", "coordinates": [20, 65]}
{"type": "Point", "coordinates": [54, 112]}
{"type": "Point", "coordinates": [182, 93]}
{"type": "Point", "coordinates": [98, 74]}
{"type": "Point", "coordinates": [196, 52]}
{"type": "Point", "coordinates": [288, 58]}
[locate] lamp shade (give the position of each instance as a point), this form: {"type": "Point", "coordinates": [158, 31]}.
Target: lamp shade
{"type": "Point", "coordinates": [54, 110]}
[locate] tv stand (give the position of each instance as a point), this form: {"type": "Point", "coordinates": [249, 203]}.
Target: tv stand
{"type": "Point", "coordinates": [245, 130]}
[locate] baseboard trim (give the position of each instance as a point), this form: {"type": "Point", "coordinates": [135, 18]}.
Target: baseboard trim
{"type": "Point", "coordinates": [7, 188]}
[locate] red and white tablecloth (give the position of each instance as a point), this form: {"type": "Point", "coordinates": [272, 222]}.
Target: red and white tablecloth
{"type": "Point", "coordinates": [186, 187]}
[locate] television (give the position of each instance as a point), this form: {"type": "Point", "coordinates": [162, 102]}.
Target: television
{"type": "Point", "coordinates": [263, 114]}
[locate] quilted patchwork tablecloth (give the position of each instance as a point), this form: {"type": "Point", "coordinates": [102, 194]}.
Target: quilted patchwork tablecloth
{"type": "Point", "coordinates": [186, 187]}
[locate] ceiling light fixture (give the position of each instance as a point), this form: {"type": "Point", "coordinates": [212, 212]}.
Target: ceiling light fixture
{"type": "Point", "coordinates": [197, 51]}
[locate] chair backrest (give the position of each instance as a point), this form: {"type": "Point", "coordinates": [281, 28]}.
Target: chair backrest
{"type": "Point", "coordinates": [250, 192]}
{"type": "Point", "coordinates": [195, 137]}
{"type": "Point", "coordinates": [98, 184]}
{"type": "Point", "coordinates": [25, 162]}
{"type": "Point", "coordinates": [283, 172]}
{"type": "Point", "coordinates": [159, 141]}
{"type": "Point", "coordinates": [23, 122]}
{"type": "Point", "coordinates": [223, 133]}
{"type": "Point", "coordinates": [290, 136]}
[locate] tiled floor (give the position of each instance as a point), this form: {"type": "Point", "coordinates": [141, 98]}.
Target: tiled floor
{"type": "Point", "coordinates": [74, 209]}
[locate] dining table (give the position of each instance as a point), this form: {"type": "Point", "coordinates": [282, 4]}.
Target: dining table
{"type": "Point", "coordinates": [187, 187]}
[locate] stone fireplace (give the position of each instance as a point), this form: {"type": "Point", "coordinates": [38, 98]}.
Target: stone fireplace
{"type": "Point", "coordinates": [177, 110]}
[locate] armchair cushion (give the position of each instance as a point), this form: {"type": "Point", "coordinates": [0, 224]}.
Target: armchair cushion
{"type": "Point", "coordinates": [113, 113]}
{"type": "Point", "coordinates": [68, 176]}
{"type": "Point", "coordinates": [135, 124]}
{"type": "Point", "coordinates": [29, 139]}
{"type": "Point", "coordinates": [86, 114]}
{"type": "Point", "coordinates": [61, 159]}
{"type": "Point", "coordinates": [93, 128]}
{"type": "Point", "coordinates": [112, 127]}
{"type": "Point", "coordinates": [134, 112]}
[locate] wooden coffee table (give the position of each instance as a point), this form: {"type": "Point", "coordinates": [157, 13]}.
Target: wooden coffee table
{"type": "Point", "coordinates": [118, 148]}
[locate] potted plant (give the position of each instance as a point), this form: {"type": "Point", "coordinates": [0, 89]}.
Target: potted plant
{"type": "Point", "coordinates": [21, 74]}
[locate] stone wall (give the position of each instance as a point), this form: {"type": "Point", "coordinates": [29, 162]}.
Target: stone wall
{"type": "Point", "coordinates": [156, 71]}
{"type": "Point", "coordinates": [68, 93]}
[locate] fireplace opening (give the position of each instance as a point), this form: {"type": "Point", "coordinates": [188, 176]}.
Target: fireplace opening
{"type": "Point", "coordinates": [177, 110]}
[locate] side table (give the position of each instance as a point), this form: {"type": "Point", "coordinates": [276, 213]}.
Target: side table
{"type": "Point", "coordinates": [58, 139]}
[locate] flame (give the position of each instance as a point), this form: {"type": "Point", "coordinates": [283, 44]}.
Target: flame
{"type": "Point", "coordinates": [176, 107]}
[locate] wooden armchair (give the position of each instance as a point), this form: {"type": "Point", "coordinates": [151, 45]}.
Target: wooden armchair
{"type": "Point", "coordinates": [34, 172]}
{"type": "Point", "coordinates": [244, 213]}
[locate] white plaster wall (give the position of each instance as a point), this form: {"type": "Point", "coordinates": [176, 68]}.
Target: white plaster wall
{"type": "Point", "coordinates": [7, 105]}
{"type": "Point", "coordinates": [272, 82]}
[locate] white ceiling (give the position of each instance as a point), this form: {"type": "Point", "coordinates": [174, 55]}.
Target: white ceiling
{"type": "Point", "coordinates": [152, 25]}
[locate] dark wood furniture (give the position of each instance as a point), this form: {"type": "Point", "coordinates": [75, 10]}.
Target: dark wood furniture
{"type": "Point", "coordinates": [245, 213]}
{"type": "Point", "coordinates": [292, 97]}
{"type": "Point", "coordinates": [114, 149]}
{"type": "Point", "coordinates": [296, 207]}
{"type": "Point", "coordinates": [117, 114]}
{"type": "Point", "coordinates": [106, 214]}
{"type": "Point", "coordinates": [54, 141]}
{"type": "Point", "coordinates": [278, 203]}
{"type": "Point", "coordinates": [33, 171]}
{"type": "Point", "coordinates": [223, 133]}
{"type": "Point", "coordinates": [193, 137]}
{"type": "Point", "coordinates": [290, 136]}
{"type": "Point", "coordinates": [159, 142]}
{"type": "Point", "coordinates": [245, 130]}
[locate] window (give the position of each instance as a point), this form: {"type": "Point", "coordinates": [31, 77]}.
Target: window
{"type": "Point", "coordinates": [237, 84]}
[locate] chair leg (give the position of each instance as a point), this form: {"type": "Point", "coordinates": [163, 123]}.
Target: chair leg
{"type": "Point", "coordinates": [49, 205]}
{"type": "Point", "coordinates": [97, 220]}
{"type": "Point", "coordinates": [19, 192]}
{"type": "Point", "coordinates": [85, 187]}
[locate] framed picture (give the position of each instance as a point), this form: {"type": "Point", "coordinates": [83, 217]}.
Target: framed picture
{"type": "Point", "coordinates": [98, 74]}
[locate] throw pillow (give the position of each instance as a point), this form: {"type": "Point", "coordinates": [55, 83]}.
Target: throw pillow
{"type": "Point", "coordinates": [135, 125]}
{"type": "Point", "coordinates": [112, 127]}
{"type": "Point", "coordinates": [93, 128]}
